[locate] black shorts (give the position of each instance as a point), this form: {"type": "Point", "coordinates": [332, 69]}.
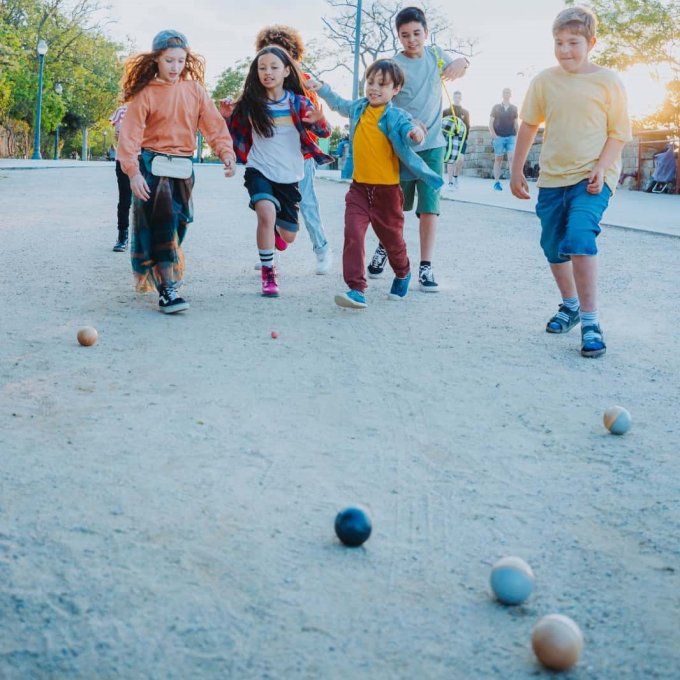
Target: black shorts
{"type": "Point", "coordinates": [285, 197]}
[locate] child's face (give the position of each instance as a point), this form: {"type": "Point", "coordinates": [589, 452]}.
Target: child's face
{"type": "Point", "coordinates": [271, 71]}
{"type": "Point", "coordinates": [380, 89]}
{"type": "Point", "coordinates": [572, 50]}
{"type": "Point", "coordinates": [171, 63]}
{"type": "Point", "coordinates": [412, 37]}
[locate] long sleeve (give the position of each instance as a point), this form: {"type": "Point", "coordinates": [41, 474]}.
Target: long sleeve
{"type": "Point", "coordinates": [335, 101]}
{"type": "Point", "coordinates": [214, 128]}
{"type": "Point", "coordinates": [132, 133]}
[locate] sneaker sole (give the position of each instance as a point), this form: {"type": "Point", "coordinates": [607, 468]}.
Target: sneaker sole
{"type": "Point", "coordinates": [428, 289]}
{"type": "Point", "coordinates": [174, 309]}
{"type": "Point", "coordinates": [119, 250]}
{"type": "Point", "coordinates": [395, 297]}
{"type": "Point", "coordinates": [270, 295]}
{"type": "Point", "coordinates": [343, 301]}
{"type": "Point", "coordinates": [377, 275]}
{"type": "Point", "coordinates": [593, 354]}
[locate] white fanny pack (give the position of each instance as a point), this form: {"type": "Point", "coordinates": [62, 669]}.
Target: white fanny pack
{"type": "Point", "coordinates": [177, 167]}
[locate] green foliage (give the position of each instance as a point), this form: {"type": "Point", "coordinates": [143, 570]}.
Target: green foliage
{"type": "Point", "coordinates": [668, 116]}
{"type": "Point", "coordinates": [637, 32]}
{"type": "Point", "coordinates": [230, 81]}
{"type": "Point", "coordinates": [79, 57]}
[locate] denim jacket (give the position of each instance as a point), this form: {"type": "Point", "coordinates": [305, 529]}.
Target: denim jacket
{"type": "Point", "coordinates": [395, 124]}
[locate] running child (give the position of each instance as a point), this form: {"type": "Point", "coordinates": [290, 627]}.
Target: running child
{"type": "Point", "coordinates": [124, 191]}
{"type": "Point", "coordinates": [167, 103]}
{"type": "Point", "coordinates": [291, 41]}
{"type": "Point", "coordinates": [381, 138]}
{"type": "Point", "coordinates": [271, 124]}
{"type": "Point", "coordinates": [424, 67]}
{"type": "Point", "coordinates": [586, 120]}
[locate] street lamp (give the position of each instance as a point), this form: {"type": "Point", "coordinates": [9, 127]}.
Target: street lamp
{"type": "Point", "coordinates": [58, 88]}
{"type": "Point", "coordinates": [42, 51]}
{"type": "Point", "coordinates": [357, 43]}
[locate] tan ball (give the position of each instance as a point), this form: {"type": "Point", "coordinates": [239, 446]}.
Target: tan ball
{"type": "Point", "coordinates": [87, 336]}
{"type": "Point", "coordinates": [617, 420]}
{"type": "Point", "coordinates": [557, 642]}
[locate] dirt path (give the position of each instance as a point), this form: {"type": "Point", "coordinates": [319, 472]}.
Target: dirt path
{"type": "Point", "coordinates": [167, 497]}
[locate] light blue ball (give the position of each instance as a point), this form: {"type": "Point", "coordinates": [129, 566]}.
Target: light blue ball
{"type": "Point", "coordinates": [617, 420]}
{"type": "Point", "coordinates": [512, 580]}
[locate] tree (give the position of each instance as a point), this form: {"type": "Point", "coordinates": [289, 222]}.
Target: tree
{"type": "Point", "coordinates": [230, 81]}
{"type": "Point", "coordinates": [637, 32]}
{"type": "Point", "coordinates": [668, 116]}
{"type": "Point", "coordinates": [378, 34]}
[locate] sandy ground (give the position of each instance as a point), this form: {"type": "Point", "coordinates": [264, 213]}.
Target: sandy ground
{"type": "Point", "coordinates": [167, 497]}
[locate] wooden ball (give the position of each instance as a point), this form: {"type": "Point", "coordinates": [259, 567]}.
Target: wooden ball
{"type": "Point", "coordinates": [557, 642]}
{"type": "Point", "coordinates": [617, 420]}
{"type": "Point", "coordinates": [87, 336]}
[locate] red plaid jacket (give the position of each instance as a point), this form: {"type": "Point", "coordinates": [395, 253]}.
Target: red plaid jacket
{"type": "Point", "coordinates": [242, 132]}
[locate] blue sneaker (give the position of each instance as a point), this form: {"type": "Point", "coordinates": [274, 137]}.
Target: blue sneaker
{"type": "Point", "coordinates": [352, 299]}
{"type": "Point", "coordinates": [497, 186]}
{"type": "Point", "coordinates": [592, 342]}
{"type": "Point", "coordinates": [399, 287]}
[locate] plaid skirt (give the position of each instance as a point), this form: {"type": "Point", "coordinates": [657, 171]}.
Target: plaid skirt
{"type": "Point", "coordinates": [159, 226]}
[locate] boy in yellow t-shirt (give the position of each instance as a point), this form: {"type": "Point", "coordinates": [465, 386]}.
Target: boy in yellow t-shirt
{"type": "Point", "coordinates": [585, 113]}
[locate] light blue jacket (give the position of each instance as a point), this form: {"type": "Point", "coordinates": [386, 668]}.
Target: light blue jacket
{"type": "Point", "coordinates": [395, 124]}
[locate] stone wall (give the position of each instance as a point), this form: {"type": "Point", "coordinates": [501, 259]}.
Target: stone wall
{"type": "Point", "coordinates": [479, 156]}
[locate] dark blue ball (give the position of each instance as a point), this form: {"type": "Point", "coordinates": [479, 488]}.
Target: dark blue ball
{"type": "Point", "coordinates": [353, 526]}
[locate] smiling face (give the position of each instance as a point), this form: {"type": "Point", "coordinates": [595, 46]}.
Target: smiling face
{"type": "Point", "coordinates": [572, 50]}
{"type": "Point", "coordinates": [272, 72]}
{"type": "Point", "coordinates": [380, 88]}
{"type": "Point", "coordinates": [171, 63]}
{"type": "Point", "coordinates": [413, 37]}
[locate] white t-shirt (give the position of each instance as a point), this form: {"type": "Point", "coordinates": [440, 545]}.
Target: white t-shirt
{"type": "Point", "coordinates": [279, 158]}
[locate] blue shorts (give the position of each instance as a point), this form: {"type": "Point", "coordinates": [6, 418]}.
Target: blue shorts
{"type": "Point", "coordinates": [503, 145]}
{"type": "Point", "coordinates": [570, 220]}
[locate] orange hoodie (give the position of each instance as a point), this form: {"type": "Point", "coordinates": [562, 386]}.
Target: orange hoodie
{"type": "Point", "coordinates": [164, 117]}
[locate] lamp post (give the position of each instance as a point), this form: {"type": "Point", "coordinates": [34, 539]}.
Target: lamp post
{"type": "Point", "coordinates": [357, 42]}
{"type": "Point", "coordinates": [42, 51]}
{"type": "Point", "coordinates": [58, 89]}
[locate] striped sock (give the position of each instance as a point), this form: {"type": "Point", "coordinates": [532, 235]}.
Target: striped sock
{"type": "Point", "coordinates": [589, 318]}
{"type": "Point", "coordinates": [267, 258]}
{"type": "Point", "coordinates": [570, 303]}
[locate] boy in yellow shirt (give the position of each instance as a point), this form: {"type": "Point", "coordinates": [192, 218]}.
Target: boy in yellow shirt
{"type": "Point", "coordinates": [586, 120]}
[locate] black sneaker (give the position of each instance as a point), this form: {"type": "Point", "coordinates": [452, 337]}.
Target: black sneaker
{"type": "Point", "coordinates": [426, 279]}
{"type": "Point", "coordinates": [121, 243]}
{"type": "Point", "coordinates": [378, 261]}
{"type": "Point", "coordinates": [170, 302]}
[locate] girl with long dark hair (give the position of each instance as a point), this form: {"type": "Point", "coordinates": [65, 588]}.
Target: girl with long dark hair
{"type": "Point", "coordinates": [270, 125]}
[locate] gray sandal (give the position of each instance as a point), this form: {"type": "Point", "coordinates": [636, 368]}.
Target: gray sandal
{"type": "Point", "coordinates": [563, 321]}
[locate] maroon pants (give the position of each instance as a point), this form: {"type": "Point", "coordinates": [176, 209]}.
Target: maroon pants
{"type": "Point", "coordinates": [382, 206]}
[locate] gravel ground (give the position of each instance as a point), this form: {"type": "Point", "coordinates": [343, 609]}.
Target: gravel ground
{"type": "Point", "coordinates": [167, 496]}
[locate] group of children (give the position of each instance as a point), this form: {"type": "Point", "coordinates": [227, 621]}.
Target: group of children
{"type": "Point", "coordinates": [396, 154]}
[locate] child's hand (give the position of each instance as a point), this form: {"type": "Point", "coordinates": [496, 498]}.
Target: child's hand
{"type": "Point", "coordinates": [313, 115]}
{"type": "Point", "coordinates": [417, 134]}
{"type": "Point", "coordinates": [456, 69]}
{"type": "Point", "coordinates": [595, 181]}
{"type": "Point", "coordinates": [313, 85]}
{"type": "Point", "coordinates": [519, 186]}
{"type": "Point", "coordinates": [226, 107]}
{"type": "Point", "coordinates": [229, 166]}
{"type": "Point", "coordinates": [140, 188]}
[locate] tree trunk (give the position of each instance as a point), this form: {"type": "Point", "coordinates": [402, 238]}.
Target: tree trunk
{"type": "Point", "coordinates": [83, 155]}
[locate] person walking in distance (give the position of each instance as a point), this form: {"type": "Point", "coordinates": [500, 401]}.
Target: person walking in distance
{"type": "Point", "coordinates": [503, 128]}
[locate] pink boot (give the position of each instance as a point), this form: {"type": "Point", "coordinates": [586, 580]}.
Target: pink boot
{"type": "Point", "coordinates": [270, 285]}
{"type": "Point", "coordinates": [279, 242]}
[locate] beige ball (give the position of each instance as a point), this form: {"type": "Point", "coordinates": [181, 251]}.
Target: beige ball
{"type": "Point", "coordinates": [557, 642]}
{"type": "Point", "coordinates": [617, 420]}
{"type": "Point", "coordinates": [87, 336]}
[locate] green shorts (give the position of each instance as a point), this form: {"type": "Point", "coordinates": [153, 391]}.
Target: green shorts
{"type": "Point", "coordinates": [428, 198]}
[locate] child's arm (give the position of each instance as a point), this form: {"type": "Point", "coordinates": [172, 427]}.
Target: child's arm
{"type": "Point", "coordinates": [214, 129]}
{"type": "Point", "coordinates": [335, 101]}
{"type": "Point", "coordinates": [611, 151]}
{"type": "Point", "coordinates": [518, 182]}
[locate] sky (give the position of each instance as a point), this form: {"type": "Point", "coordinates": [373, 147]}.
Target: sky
{"type": "Point", "coordinates": [515, 41]}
